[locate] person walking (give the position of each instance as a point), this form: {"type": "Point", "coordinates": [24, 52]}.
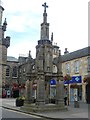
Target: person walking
{"type": "Point", "coordinates": [8, 93]}
{"type": "Point", "coordinates": [65, 97]}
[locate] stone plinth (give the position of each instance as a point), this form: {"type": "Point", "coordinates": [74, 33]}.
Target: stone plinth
{"type": "Point", "coordinates": [43, 108]}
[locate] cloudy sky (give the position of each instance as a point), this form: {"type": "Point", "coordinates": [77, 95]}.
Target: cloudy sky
{"type": "Point", "coordinates": [68, 21]}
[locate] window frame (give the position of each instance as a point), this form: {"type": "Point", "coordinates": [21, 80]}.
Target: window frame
{"type": "Point", "coordinates": [67, 68]}
{"type": "Point", "coordinates": [88, 64]}
{"type": "Point", "coordinates": [8, 67]}
{"type": "Point", "coordinates": [15, 68]}
{"type": "Point", "coordinates": [77, 66]}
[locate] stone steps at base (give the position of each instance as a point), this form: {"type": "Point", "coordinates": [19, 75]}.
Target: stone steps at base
{"type": "Point", "coordinates": [43, 108]}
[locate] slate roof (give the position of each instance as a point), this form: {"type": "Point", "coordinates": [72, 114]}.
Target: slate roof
{"type": "Point", "coordinates": [76, 54]}
{"type": "Point", "coordinates": [12, 59]}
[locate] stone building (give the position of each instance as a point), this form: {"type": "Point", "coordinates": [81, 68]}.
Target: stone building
{"type": "Point", "coordinates": [77, 65]}
{"type": "Point", "coordinates": [4, 44]}
{"type": "Point", "coordinates": [11, 73]}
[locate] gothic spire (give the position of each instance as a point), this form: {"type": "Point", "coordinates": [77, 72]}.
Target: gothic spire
{"type": "Point", "coordinates": [45, 25]}
{"type": "Point", "coordinates": [45, 14]}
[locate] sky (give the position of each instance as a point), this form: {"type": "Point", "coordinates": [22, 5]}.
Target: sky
{"type": "Point", "coordinates": [68, 21]}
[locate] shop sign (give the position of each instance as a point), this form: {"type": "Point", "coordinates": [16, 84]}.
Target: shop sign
{"type": "Point", "coordinates": [75, 79]}
{"type": "Point", "coordinates": [52, 82]}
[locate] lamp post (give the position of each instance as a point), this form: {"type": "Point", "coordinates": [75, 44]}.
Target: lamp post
{"type": "Point", "coordinates": [87, 81]}
{"type": "Point", "coordinates": [67, 78]}
{"type": "Point", "coordinates": [68, 94]}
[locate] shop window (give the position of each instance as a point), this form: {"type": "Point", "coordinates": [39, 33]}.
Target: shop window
{"type": "Point", "coordinates": [77, 66]}
{"type": "Point", "coordinates": [14, 72]}
{"type": "Point", "coordinates": [7, 71]}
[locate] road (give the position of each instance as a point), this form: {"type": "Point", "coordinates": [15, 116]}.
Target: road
{"type": "Point", "coordinates": [15, 115]}
{"type": "Point", "coordinates": [6, 113]}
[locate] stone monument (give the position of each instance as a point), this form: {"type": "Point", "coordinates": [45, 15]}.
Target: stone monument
{"type": "Point", "coordinates": [43, 73]}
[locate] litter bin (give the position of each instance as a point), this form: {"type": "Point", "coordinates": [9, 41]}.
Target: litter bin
{"type": "Point", "coordinates": [76, 103]}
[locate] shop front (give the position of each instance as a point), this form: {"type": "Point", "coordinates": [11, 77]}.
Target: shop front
{"type": "Point", "coordinates": [75, 88]}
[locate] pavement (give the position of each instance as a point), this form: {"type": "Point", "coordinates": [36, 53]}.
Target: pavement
{"type": "Point", "coordinates": [81, 112]}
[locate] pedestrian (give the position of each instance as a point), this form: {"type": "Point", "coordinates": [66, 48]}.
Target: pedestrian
{"type": "Point", "coordinates": [75, 97]}
{"type": "Point", "coordinates": [65, 97]}
{"type": "Point", "coordinates": [8, 93]}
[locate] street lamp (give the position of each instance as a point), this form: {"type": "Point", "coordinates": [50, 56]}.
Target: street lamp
{"type": "Point", "coordinates": [67, 78]}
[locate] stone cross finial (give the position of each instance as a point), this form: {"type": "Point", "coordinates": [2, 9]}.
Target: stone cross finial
{"type": "Point", "coordinates": [45, 6]}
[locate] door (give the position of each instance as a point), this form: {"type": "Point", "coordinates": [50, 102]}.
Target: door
{"type": "Point", "coordinates": [71, 94]}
